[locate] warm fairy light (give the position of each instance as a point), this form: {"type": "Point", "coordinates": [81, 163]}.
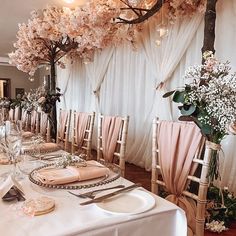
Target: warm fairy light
{"type": "Point", "coordinates": [163, 31]}
{"type": "Point", "coordinates": [158, 42]}
{"type": "Point", "coordinates": [31, 79]}
{"type": "Point", "coordinates": [68, 1]}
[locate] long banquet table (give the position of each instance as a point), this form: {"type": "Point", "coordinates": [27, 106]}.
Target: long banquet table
{"type": "Point", "coordinates": [70, 218]}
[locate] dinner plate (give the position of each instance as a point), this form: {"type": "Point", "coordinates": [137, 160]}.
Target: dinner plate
{"type": "Point", "coordinates": [128, 203]}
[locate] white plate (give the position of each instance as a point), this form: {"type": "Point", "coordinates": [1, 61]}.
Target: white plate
{"type": "Point", "coordinates": [129, 203]}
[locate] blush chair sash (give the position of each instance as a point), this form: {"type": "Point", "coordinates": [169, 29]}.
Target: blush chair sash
{"type": "Point", "coordinates": [81, 124]}
{"type": "Point", "coordinates": [110, 132]}
{"type": "Point", "coordinates": [178, 144]}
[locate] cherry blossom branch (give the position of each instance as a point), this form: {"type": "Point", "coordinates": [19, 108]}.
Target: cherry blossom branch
{"type": "Point", "coordinates": [140, 16]}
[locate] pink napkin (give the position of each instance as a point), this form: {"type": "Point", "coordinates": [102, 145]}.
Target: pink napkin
{"type": "Point", "coordinates": [71, 173]}
{"type": "Point", "coordinates": [27, 134]}
{"type": "Point", "coordinates": [43, 147]}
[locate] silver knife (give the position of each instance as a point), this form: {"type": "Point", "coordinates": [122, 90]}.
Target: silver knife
{"type": "Point", "coordinates": [100, 199]}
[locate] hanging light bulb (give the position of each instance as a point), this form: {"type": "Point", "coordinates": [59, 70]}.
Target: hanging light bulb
{"type": "Point", "coordinates": [162, 31]}
{"type": "Point", "coordinates": [161, 28]}
{"type": "Point", "coordinates": [158, 42]}
{"type": "Point", "coordinates": [68, 1]}
{"type": "Point", "coordinates": [31, 79]}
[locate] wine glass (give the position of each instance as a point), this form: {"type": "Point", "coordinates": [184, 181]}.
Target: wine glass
{"type": "Point", "coordinates": [33, 158]}
{"type": "Point", "coordinates": [13, 147]}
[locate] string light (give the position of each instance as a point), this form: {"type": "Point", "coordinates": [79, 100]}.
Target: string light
{"type": "Point", "coordinates": [68, 1]}
{"type": "Point", "coordinates": [162, 28]}
{"type": "Point", "coordinates": [31, 79]}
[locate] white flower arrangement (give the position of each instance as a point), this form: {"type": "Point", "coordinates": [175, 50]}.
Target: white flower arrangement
{"type": "Point", "coordinates": [40, 99]}
{"type": "Point", "coordinates": [209, 100]}
{"type": "Point", "coordinates": [216, 226]}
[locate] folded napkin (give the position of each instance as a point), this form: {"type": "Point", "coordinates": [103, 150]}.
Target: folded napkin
{"type": "Point", "coordinates": [71, 173]}
{"type": "Point", "coordinates": [43, 147]}
{"type": "Point", "coordinates": [27, 134]}
{"type": "Point", "coordinates": [4, 160]}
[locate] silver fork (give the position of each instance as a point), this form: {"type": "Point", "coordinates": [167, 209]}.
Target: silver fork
{"type": "Point", "coordinates": [91, 193]}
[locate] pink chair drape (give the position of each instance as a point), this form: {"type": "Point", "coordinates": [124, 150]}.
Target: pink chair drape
{"type": "Point", "coordinates": [17, 113]}
{"type": "Point", "coordinates": [11, 114]}
{"type": "Point", "coordinates": [110, 132]}
{"type": "Point", "coordinates": [81, 120]}
{"type": "Point", "coordinates": [62, 123]}
{"type": "Point", "coordinates": [33, 120]}
{"type": "Point", "coordinates": [178, 143]}
{"type": "Point", "coordinates": [43, 123]}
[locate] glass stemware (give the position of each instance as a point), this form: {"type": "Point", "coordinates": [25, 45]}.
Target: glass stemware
{"type": "Point", "coordinates": [10, 143]}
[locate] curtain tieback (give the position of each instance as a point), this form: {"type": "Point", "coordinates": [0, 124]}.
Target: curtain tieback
{"type": "Point", "coordinates": [160, 85]}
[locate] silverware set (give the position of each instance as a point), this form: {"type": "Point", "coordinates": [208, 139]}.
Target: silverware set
{"type": "Point", "coordinates": [92, 194]}
{"type": "Point", "coordinates": [94, 199]}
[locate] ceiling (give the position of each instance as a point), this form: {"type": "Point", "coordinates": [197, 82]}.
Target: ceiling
{"type": "Point", "coordinates": [13, 12]}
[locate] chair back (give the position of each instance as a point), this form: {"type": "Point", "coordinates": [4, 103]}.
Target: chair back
{"type": "Point", "coordinates": [63, 129]}
{"type": "Point", "coordinates": [82, 130]}
{"type": "Point", "coordinates": [176, 154]}
{"type": "Point", "coordinates": [34, 117]}
{"type": "Point", "coordinates": [25, 119]}
{"type": "Point", "coordinates": [44, 127]}
{"type": "Point", "coordinates": [11, 115]}
{"type": "Point", "coordinates": [112, 138]}
{"type": "Point", "coordinates": [17, 113]}
{"type": "Point", "coordinates": [5, 113]}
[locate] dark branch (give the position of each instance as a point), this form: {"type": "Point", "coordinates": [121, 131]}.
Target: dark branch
{"type": "Point", "coordinates": [209, 29]}
{"type": "Point", "coordinates": [142, 17]}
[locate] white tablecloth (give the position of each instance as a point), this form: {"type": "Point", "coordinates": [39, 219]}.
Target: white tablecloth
{"type": "Point", "coordinates": [69, 218]}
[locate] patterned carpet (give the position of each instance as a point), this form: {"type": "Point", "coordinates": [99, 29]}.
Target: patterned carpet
{"type": "Point", "coordinates": [139, 175]}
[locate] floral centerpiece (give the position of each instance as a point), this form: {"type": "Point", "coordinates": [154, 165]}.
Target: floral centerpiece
{"type": "Point", "coordinates": [210, 101]}
{"type": "Point", "coordinates": [40, 99]}
{"type": "Point", "coordinates": [5, 103]}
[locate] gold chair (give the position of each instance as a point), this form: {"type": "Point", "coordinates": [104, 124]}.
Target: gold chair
{"type": "Point", "coordinates": [63, 129]}
{"type": "Point", "coordinates": [112, 138]}
{"type": "Point", "coordinates": [166, 175]}
{"type": "Point", "coordinates": [82, 130]}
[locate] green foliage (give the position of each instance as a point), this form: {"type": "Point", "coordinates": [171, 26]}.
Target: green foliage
{"type": "Point", "coordinates": [215, 209]}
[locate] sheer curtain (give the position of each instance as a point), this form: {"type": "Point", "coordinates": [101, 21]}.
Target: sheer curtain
{"type": "Point", "coordinates": [126, 79]}
{"type": "Point", "coordinates": [95, 72]}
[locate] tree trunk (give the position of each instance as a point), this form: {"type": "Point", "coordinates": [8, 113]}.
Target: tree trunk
{"type": "Point", "coordinates": [209, 29]}
{"type": "Point", "coordinates": [54, 109]}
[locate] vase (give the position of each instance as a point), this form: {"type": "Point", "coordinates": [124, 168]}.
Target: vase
{"type": "Point", "coordinates": [213, 150]}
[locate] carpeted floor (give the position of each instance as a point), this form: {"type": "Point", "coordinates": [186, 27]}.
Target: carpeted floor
{"type": "Point", "coordinates": [139, 175]}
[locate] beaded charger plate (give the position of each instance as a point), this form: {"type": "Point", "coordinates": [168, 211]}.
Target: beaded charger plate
{"type": "Point", "coordinates": [114, 174]}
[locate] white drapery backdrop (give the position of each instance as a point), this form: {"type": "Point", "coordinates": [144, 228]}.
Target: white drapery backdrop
{"type": "Point", "coordinates": [122, 81]}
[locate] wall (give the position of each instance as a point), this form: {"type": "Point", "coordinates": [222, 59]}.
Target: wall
{"type": "Point", "coordinates": [18, 79]}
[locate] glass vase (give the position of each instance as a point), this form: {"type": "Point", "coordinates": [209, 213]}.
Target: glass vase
{"type": "Point", "coordinates": [213, 152]}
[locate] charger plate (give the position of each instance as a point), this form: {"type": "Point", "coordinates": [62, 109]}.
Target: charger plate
{"type": "Point", "coordinates": [114, 174]}
{"type": "Point", "coordinates": [128, 203]}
